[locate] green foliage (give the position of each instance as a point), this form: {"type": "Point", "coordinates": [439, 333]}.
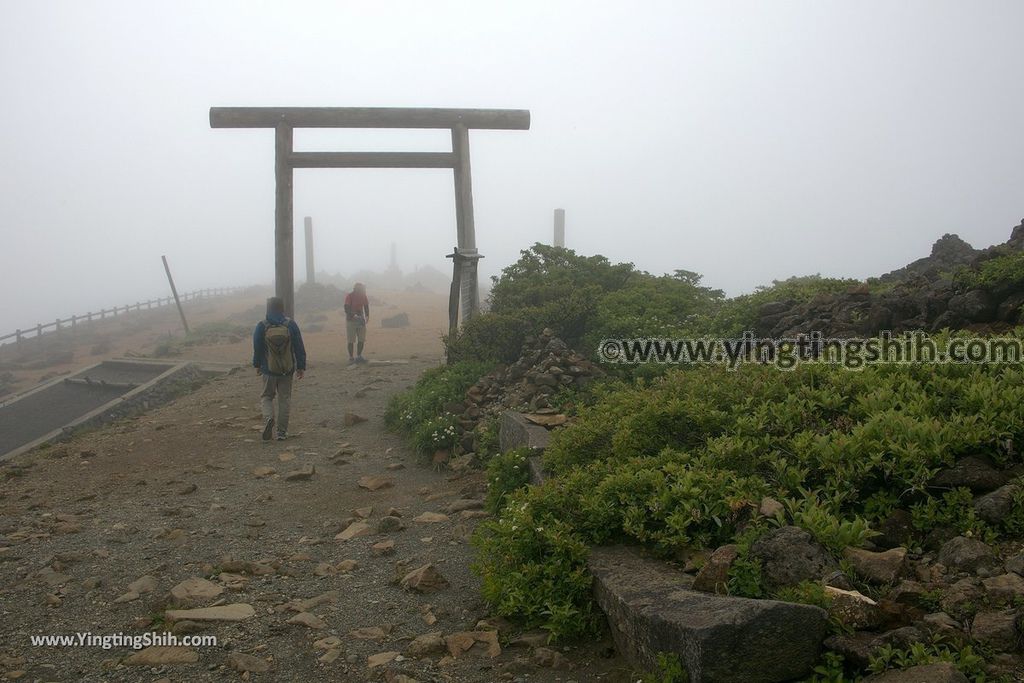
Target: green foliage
{"type": "Point", "coordinates": [830, 669]}
{"type": "Point", "coordinates": [954, 510]}
{"type": "Point", "coordinates": [436, 387]}
{"type": "Point", "coordinates": [745, 579]}
{"type": "Point", "coordinates": [534, 568]}
{"type": "Point", "coordinates": [583, 299]}
{"type": "Point", "coordinates": [670, 670]}
{"type": "Point", "coordinates": [734, 316]}
{"type": "Point", "coordinates": [437, 433]}
{"type": "Point", "coordinates": [486, 443]}
{"type": "Point", "coordinates": [999, 274]}
{"type": "Point", "coordinates": [805, 593]}
{"type": "Point", "coordinates": [682, 461]}
{"type": "Point", "coordinates": [506, 472]}
{"type": "Point", "coordinates": [825, 525]}
{"type": "Point", "coordinates": [965, 659]}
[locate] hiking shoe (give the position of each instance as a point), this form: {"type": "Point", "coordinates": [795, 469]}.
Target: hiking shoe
{"type": "Point", "coordinates": [360, 359]}
{"type": "Point", "coordinates": [268, 429]}
{"type": "Point", "coordinates": [281, 436]}
{"type": "Point", "coordinates": [352, 361]}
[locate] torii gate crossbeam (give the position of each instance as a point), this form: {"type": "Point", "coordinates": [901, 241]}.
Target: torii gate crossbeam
{"type": "Point", "coordinates": [284, 120]}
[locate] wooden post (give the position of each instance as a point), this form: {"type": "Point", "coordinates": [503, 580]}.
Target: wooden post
{"type": "Point", "coordinates": [310, 269]}
{"type": "Point", "coordinates": [174, 291]}
{"type": "Point", "coordinates": [465, 225]}
{"type": "Point", "coordinates": [453, 293]}
{"type": "Point", "coordinates": [559, 240]}
{"type": "Point", "coordinates": [284, 259]}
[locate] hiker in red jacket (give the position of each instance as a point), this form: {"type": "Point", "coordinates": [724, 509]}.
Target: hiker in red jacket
{"type": "Point", "coordinates": [357, 314]}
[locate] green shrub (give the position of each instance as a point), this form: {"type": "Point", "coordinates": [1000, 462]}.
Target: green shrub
{"type": "Point", "coordinates": [999, 274]}
{"type": "Point", "coordinates": [534, 568]}
{"type": "Point", "coordinates": [682, 462]}
{"type": "Point", "coordinates": [437, 433]}
{"type": "Point", "coordinates": [426, 400]}
{"type": "Point", "coordinates": [506, 472]}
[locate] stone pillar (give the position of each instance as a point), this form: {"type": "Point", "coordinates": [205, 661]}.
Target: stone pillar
{"type": "Point", "coordinates": [559, 240]}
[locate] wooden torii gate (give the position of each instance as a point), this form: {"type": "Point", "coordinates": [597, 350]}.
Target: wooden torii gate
{"type": "Point", "coordinates": [284, 120]}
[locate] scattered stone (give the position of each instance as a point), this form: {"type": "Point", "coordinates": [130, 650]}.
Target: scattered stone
{"type": "Point", "coordinates": [354, 530]}
{"type": "Point", "coordinates": [368, 633]}
{"type": "Point", "coordinates": [383, 548]}
{"type": "Point", "coordinates": [389, 524]}
{"type": "Point", "coordinates": [464, 504]}
{"type": "Point", "coordinates": [425, 579]}
{"type": "Point", "coordinates": [426, 645]}
{"type": "Point", "coordinates": [996, 629]}
{"type": "Point", "coordinates": [996, 506]}
{"type": "Point", "coordinates": [194, 590]}
{"type": "Point", "coordinates": [460, 643]}
{"type": "Point", "coordinates": [328, 643]}
{"type": "Point", "coordinates": [191, 488]}
{"type": "Point", "coordinates": [374, 483]}
{"type": "Point", "coordinates": [238, 611]}
{"type": "Point", "coordinates": [380, 659]}
{"type": "Point", "coordinates": [431, 518]}
{"type": "Point", "coordinates": [262, 472]}
{"type": "Point", "coordinates": [304, 473]}
{"type": "Point", "coordinates": [351, 419]}
{"type": "Point", "coordinates": [962, 554]}
{"type": "Point", "coordinates": [853, 609]}
{"type": "Point", "coordinates": [977, 474]}
{"type": "Point", "coordinates": [307, 619]}
{"type": "Point", "coordinates": [1015, 564]}
{"type": "Point", "coordinates": [159, 655]}
{"type": "Point", "coordinates": [790, 555]}
{"type": "Point", "coordinates": [550, 659]}
{"type": "Point", "coordinates": [713, 577]}
{"type": "Point", "coordinates": [241, 662]}
{"type": "Point", "coordinates": [943, 672]}
{"type": "Point", "coordinates": [880, 568]}
{"type": "Point", "coordinates": [143, 584]}
{"type": "Point", "coordinates": [314, 602]}
{"type": "Point", "coordinates": [346, 566]}
{"type": "Point", "coordinates": [1005, 587]}
{"type": "Point", "coordinates": [960, 597]}
{"type": "Point", "coordinates": [363, 513]}
{"type": "Point", "coordinates": [770, 507]}
{"type": "Point", "coordinates": [895, 530]}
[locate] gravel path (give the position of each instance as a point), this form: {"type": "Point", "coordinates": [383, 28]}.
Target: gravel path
{"type": "Point", "coordinates": [95, 533]}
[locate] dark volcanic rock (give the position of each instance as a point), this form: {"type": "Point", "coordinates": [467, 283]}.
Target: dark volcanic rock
{"type": "Point", "coordinates": [964, 554]}
{"type": "Point", "coordinates": [650, 610]}
{"type": "Point", "coordinates": [790, 555]}
{"type": "Point", "coordinates": [977, 474]}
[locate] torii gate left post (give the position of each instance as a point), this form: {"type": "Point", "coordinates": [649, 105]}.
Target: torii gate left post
{"type": "Point", "coordinates": [284, 120]}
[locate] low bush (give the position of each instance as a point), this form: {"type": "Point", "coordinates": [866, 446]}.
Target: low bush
{"type": "Point", "coordinates": [408, 412]}
{"type": "Point", "coordinates": [683, 462]}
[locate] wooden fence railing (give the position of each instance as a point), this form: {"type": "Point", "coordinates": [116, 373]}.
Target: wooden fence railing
{"type": "Point", "coordinates": [18, 336]}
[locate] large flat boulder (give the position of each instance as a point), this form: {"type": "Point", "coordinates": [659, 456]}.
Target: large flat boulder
{"type": "Point", "coordinates": [651, 610]}
{"type": "Point", "coordinates": [516, 431]}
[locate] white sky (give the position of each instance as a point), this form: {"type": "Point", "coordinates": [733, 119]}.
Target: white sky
{"type": "Point", "coordinates": [744, 140]}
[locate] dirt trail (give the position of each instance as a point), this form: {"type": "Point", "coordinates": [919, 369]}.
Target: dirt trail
{"type": "Point", "coordinates": [180, 493]}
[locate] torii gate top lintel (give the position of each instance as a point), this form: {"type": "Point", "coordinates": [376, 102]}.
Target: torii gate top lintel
{"type": "Point", "coordinates": [285, 119]}
{"type": "Point", "coordinates": [368, 117]}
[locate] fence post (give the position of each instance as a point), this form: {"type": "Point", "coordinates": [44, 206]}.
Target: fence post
{"type": "Point", "coordinates": [74, 321]}
{"type": "Point", "coordinates": [17, 337]}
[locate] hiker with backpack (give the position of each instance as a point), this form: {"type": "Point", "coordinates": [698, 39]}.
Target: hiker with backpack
{"type": "Point", "coordinates": [278, 355]}
{"type": "Point", "coordinates": [357, 313]}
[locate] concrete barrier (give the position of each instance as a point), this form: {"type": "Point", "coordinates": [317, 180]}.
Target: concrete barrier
{"type": "Point", "coordinates": [652, 610]}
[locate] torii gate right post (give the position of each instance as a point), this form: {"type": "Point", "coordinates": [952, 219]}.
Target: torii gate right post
{"type": "Point", "coordinates": [285, 119]}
